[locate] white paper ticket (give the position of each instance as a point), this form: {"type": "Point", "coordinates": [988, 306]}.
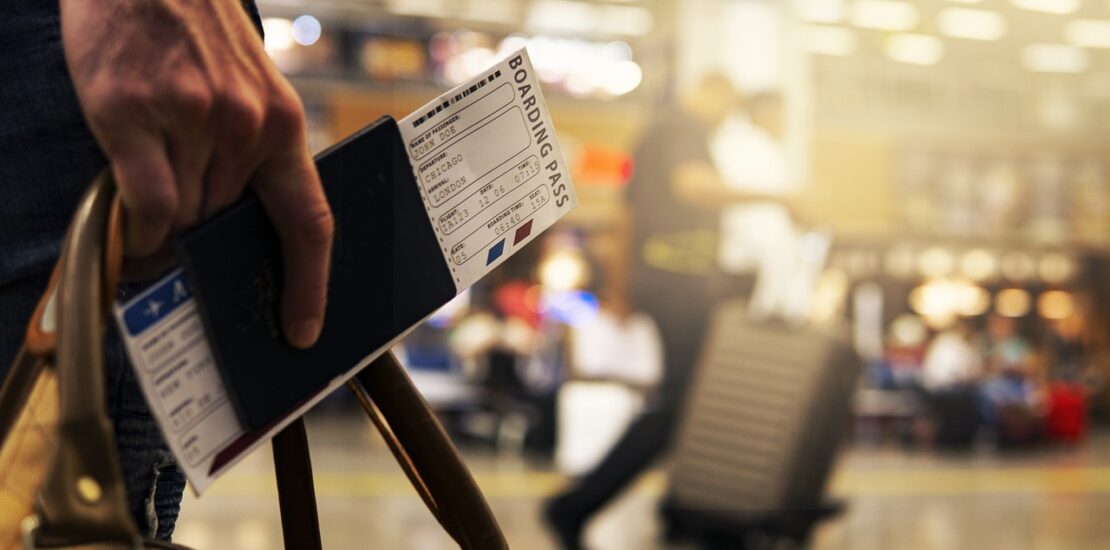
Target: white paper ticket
{"type": "Point", "coordinates": [492, 177]}
{"type": "Point", "coordinates": [489, 167]}
{"type": "Point", "coordinates": [165, 340]}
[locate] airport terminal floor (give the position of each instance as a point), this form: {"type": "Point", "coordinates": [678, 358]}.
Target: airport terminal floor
{"type": "Point", "coordinates": [1052, 497]}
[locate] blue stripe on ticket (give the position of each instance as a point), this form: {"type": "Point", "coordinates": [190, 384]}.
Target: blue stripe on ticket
{"type": "Point", "coordinates": [496, 252]}
{"type": "Point", "coordinates": [156, 303]}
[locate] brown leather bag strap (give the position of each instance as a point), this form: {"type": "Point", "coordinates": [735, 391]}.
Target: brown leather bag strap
{"type": "Point", "coordinates": [300, 521]}
{"type": "Point", "coordinates": [83, 496]}
{"type": "Point", "coordinates": [426, 454]}
{"type": "Point", "coordinates": [398, 451]}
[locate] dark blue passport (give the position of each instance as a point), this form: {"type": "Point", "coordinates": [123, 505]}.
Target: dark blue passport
{"type": "Point", "coordinates": [387, 275]}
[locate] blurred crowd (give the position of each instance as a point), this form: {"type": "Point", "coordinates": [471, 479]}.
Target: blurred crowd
{"type": "Point", "coordinates": [990, 379]}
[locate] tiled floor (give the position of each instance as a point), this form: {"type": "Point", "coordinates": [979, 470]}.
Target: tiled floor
{"type": "Point", "coordinates": [1051, 498]}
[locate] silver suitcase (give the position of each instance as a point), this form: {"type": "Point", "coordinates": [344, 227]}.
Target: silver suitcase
{"type": "Point", "coordinates": [766, 412]}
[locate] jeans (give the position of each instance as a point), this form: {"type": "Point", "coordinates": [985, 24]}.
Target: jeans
{"type": "Point", "coordinates": [47, 159]}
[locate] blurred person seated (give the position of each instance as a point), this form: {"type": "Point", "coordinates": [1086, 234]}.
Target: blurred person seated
{"type": "Point", "coordinates": [1074, 378]}
{"type": "Point", "coordinates": [1012, 403]}
{"type": "Point", "coordinates": [501, 346]}
{"type": "Point", "coordinates": [1066, 350]}
{"type": "Point", "coordinates": [951, 360]}
{"type": "Point", "coordinates": [620, 346]}
{"type": "Point", "coordinates": [949, 373]}
{"type": "Point", "coordinates": [889, 403]}
{"type": "Point", "coordinates": [615, 364]}
{"type": "Point", "coordinates": [903, 354]}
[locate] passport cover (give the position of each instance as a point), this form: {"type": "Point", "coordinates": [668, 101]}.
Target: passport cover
{"type": "Point", "coordinates": [387, 274]}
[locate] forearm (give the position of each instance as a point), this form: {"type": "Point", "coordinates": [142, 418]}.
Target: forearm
{"type": "Point", "coordinates": [699, 184]}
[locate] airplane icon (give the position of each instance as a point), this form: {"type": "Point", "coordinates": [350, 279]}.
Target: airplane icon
{"type": "Point", "coordinates": [153, 307]}
{"type": "Point", "coordinates": [179, 291]}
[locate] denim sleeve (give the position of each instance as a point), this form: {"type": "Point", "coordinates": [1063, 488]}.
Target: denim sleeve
{"type": "Point", "coordinates": [252, 11]}
{"type": "Point", "coordinates": [48, 156]}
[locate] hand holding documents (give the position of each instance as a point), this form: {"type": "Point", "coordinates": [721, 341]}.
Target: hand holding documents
{"type": "Point", "coordinates": [424, 207]}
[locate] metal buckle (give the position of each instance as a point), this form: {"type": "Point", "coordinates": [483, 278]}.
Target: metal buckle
{"type": "Point", "coordinates": [28, 527]}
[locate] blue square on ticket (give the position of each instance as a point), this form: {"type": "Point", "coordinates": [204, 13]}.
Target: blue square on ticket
{"type": "Point", "coordinates": [496, 252]}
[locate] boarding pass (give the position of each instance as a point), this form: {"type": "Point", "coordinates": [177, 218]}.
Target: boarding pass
{"type": "Point", "coordinates": [492, 177]}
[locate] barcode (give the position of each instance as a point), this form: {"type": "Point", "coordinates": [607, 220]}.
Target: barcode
{"type": "Point", "coordinates": [457, 97]}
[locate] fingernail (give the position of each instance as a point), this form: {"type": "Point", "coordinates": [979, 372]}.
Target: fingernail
{"type": "Point", "coordinates": [306, 333]}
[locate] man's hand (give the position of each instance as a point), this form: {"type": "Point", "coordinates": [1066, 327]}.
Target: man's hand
{"type": "Point", "coordinates": [184, 101]}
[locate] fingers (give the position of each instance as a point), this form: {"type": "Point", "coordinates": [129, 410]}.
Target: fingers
{"type": "Point", "coordinates": [237, 119]}
{"type": "Point", "coordinates": [188, 155]}
{"type": "Point", "coordinates": [227, 177]}
{"type": "Point", "coordinates": [188, 109]}
{"type": "Point", "coordinates": [154, 136]}
{"type": "Point", "coordinates": [290, 191]}
{"type": "Point", "coordinates": [147, 184]}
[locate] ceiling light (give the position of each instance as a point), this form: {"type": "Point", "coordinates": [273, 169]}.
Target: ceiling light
{"type": "Point", "coordinates": [1056, 268]}
{"type": "Point", "coordinates": [1054, 58]}
{"type": "Point", "coordinates": [1089, 33]}
{"type": "Point", "coordinates": [563, 269]}
{"type": "Point", "coordinates": [978, 264]}
{"type": "Point", "coordinates": [567, 16]}
{"type": "Point", "coordinates": [820, 11]}
{"type": "Point", "coordinates": [623, 77]}
{"type": "Point", "coordinates": [971, 23]}
{"type": "Point", "coordinates": [1048, 6]}
{"type": "Point", "coordinates": [1056, 305]}
{"type": "Point", "coordinates": [885, 15]}
{"type": "Point", "coordinates": [306, 30]}
{"type": "Point", "coordinates": [907, 330]}
{"type": "Point", "coordinates": [627, 20]}
{"type": "Point", "coordinates": [825, 40]}
{"type": "Point", "coordinates": [429, 8]}
{"type": "Point", "coordinates": [916, 49]}
{"type": "Point", "coordinates": [279, 34]}
{"type": "Point", "coordinates": [1012, 302]}
{"type": "Point", "coordinates": [1018, 266]}
{"type": "Point", "coordinates": [971, 300]}
{"type": "Point", "coordinates": [936, 262]}
{"type": "Point", "coordinates": [491, 11]}
{"type": "Point", "coordinates": [562, 16]}
{"type": "Point", "coordinates": [941, 301]}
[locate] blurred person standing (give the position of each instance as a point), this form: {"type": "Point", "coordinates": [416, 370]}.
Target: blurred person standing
{"type": "Point", "coordinates": [762, 236]}
{"type": "Point", "coordinates": [951, 361]}
{"type": "Point", "coordinates": [675, 196]}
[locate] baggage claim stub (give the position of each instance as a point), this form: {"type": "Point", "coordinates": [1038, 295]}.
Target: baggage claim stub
{"type": "Point", "coordinates": [492, 177]}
